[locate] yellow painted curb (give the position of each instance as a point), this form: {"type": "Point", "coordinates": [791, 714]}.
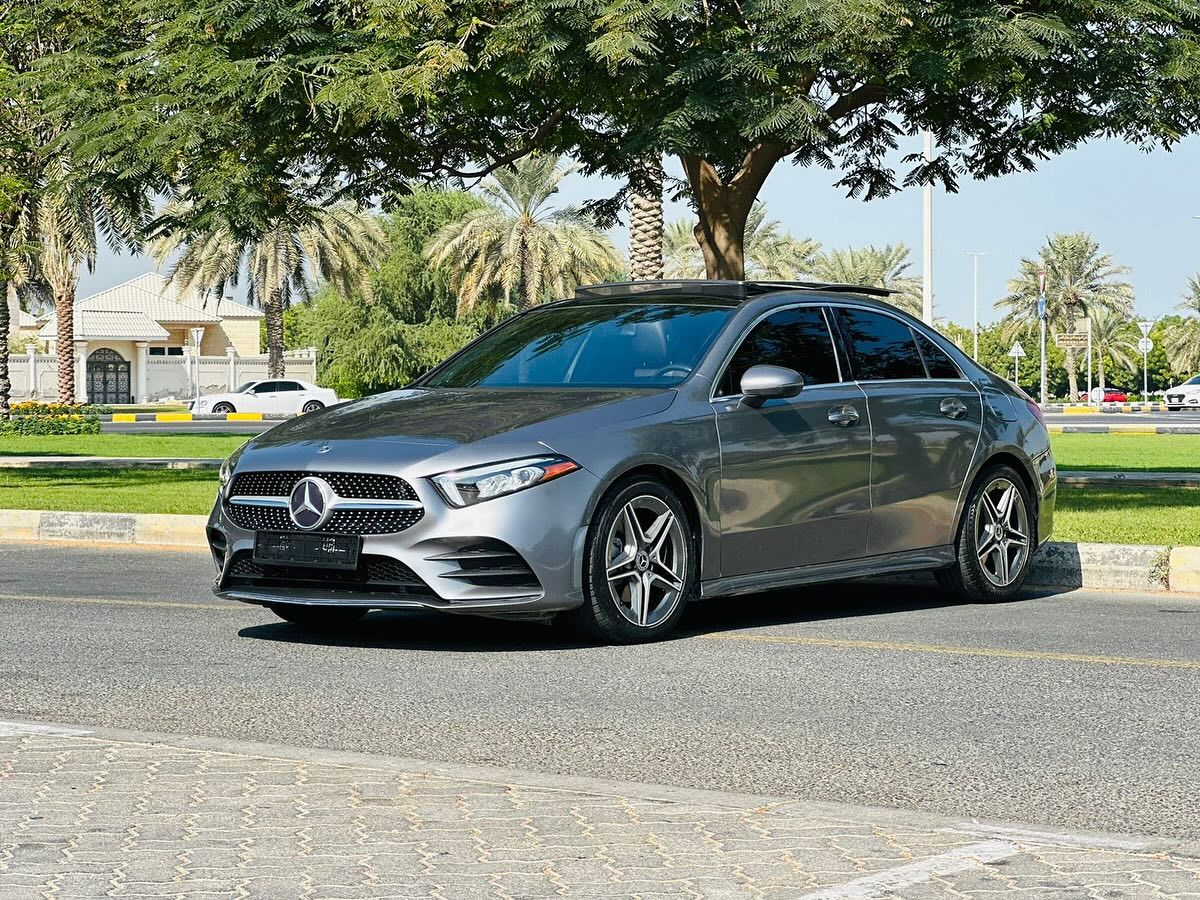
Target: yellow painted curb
{"type": "Point", "coordinates": [173, 530]}
{"type": "Point", "coordinates": [22, 524]}
{"type": "Point", "coordinates": [172, 417]}
{"type": "Point", "coordinates": [124, 417]}
{"type": "Point", "coordinates": [1077, 410]}
{"type": "Point", "coordinates": [1185, 569]}
{"type": "Point", "coordinates": [1054, 429]}
{"type": "Point", "coordinates": [1131, 429]}
{"type": "Point", "coordinates": [243, 417]}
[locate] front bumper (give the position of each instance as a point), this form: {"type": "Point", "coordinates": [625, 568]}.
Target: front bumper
{"type": "Point", "coordinates": [544, 526]}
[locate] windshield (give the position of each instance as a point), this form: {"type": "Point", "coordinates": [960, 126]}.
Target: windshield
{"type": "Point", "coordinates": [242, 388]}
{"type": "Point", "coordinates": [1195, 380]}
{"type": "Point", "coordinates": [588, 346]}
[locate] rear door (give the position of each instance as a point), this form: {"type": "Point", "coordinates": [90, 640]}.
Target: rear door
{"type": "Point", "coordinates": [925, 422]}
{"type": "Point", "coordinates": [795, 473]}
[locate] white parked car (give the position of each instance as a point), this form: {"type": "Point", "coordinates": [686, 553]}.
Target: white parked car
{"type": "Point", "coordinates": [1185, 396]}
{"type": "Point", "coordinates": [268, 396]}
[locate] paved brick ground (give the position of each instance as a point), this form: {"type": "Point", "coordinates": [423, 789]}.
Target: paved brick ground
{"type": "Point", "coordinates": [89, 814]}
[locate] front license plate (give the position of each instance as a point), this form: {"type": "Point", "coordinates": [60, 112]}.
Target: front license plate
{"type": "Point", "coordinates": [327, 551]}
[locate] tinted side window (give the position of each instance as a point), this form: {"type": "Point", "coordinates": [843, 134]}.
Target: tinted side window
{"type": "Point", "coordinates": [266, 387]}
{"type": "Point", "coordinates": [795, 338]}
{"type": "Point", "coordinates": [937, 362]}
{"type": "Point", "coordinates": [288, 386]}
{"type": "Point", "coordinates": [880, 347]}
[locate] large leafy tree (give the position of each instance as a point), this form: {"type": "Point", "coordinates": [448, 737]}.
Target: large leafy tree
{"type": "Point", "coordinates": [366, 97]}
{"type": "Point", "coordinates": [337, 242]}
{"type": "Point", "coordinates": [771, 253]}
{"type": "Point", "coordinates": [521, 245]}
{"type": "Point", "coordinates": [1080, 280]}
{"type": "Point", "coordinates": [881, 267]}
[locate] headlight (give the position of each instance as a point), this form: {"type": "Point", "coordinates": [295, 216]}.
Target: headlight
{"type": "Point", "coordinates": [225, 473]}
{"type": "Point", "coordinates": [467, 487]}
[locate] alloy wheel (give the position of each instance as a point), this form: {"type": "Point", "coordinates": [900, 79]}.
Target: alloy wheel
{"type": "Point", "coordinates": [647, 560]}
{"type": "Point", "coordinates": [1002, 532]}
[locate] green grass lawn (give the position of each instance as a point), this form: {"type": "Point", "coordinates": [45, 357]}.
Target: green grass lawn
{"type": "Point", "coordinates": [1147, 452]}
{"type": "Point", "coordinates": [109, 490]}
{"type": "Point", "coordinates": [202, 445]}
{"type": "Point", "coordinates": [1126, 515]}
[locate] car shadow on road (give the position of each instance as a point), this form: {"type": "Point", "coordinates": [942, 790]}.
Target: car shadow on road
{"type": "Point", "coordinates": [471, 634]}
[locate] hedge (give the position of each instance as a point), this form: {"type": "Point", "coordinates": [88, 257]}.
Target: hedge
{"type": "Point", "coordinates": [50, 418]}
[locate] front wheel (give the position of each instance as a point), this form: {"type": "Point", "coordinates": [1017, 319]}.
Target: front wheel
{"type": "Point", "coordinates": [995, 540]}
{"type": "Point", "coordinates": [641, 565]}
{"type": "Point", "coordinates": [318, 618]}
{"type": "Point", "coordinates": [223, 408]}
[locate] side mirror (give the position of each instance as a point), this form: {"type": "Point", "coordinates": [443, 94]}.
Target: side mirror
{"type": "Point", "coordinates": [763, 383]}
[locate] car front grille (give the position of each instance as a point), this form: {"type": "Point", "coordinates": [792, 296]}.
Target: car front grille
{"type": "Point", "coordinates": [358, 485]}
{"type": "Point", "coordinates": [375, 574]}
{"type": "Point", "coordinates": [274, 488]}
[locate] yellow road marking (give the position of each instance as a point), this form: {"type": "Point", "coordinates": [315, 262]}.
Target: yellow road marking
{"type": "Point", "coordinates": [124, 417]}
{"type": "Point", "coordinates": [243, 417]}
{"type": "Point", "coordinates": [120, 601]}
{"type": "Point", "coordinates": [992, 652]}
{"type": "Point", "coordinates": [172, 417]}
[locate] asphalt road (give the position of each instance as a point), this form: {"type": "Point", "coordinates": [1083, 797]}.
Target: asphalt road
{"type": "Point", "coordinates": [1076, 711]}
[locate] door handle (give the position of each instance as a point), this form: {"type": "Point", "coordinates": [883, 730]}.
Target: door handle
{"type": "Point", "coordinates": [843, 415]}
{"type": "Point", "coordinates": [953, 408]}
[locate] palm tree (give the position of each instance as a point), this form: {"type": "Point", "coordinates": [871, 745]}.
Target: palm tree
{"type": "Point", "coordinates": [1080, 281]}
{"type": "Point", "coordinates": [646, 224]}
{"type": "Point", "coordinates": [1112, 338]}
{"type": "Point", "coordinates": [881, 267]}
{"type": "Point", "coordinates": [1183, 343]}
{"type": "Point", "coordinates": [518, 244]}
{"type": "Point", "coordinates": [336, 241]}
{"type": "Point", "coordinates": [771, 254]}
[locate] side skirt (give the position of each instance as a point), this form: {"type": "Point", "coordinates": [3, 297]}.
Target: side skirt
{"type": "Point", "coordinates": [887, 564]}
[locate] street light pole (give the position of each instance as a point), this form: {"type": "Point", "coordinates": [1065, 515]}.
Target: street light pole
{"type": "Point", "coordinates": [1041, 310]}
{"type": "Point", "coordinates": [927, 219]}
{"type": "Point", "coordinates": [975, 254]}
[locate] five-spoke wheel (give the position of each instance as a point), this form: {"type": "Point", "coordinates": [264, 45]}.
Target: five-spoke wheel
{"type": "Point", "coordinates": [641, 564]}
{"type": "Point", "coordinates": [995, 540]}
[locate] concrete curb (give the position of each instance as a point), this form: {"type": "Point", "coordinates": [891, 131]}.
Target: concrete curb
{"type": "Point", "coordinates": [196, 417]}
{"type": "Point", "coordinates": [1057, 565]}
{"type": "Point", "coordinates": [1123, 429]}
{"type": "Point", "coordinates": [103, 528]}
{"type": "Point", "coordinates": [108, 462]}
{"type": "Point", "coordinates": [1081, 409]}
{"type": "Point", "coordinates": [1131, 479]}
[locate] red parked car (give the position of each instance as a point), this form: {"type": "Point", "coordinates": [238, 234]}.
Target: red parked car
{"type": "Point", "coordinates": [1111, 395]}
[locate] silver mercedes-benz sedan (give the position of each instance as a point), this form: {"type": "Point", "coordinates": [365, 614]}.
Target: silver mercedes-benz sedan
{"type": "Point", "coordinates": [614, 456]}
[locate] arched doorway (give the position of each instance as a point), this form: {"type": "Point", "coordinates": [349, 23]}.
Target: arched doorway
{"type": "Point", "coordinates": [108, 377]}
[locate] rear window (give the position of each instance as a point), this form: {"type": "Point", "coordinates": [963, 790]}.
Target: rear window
{"type": "Point", "coordinates": [881, 348]}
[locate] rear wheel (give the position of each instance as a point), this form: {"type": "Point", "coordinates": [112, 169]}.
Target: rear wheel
{"type": "Point", "coordinates": [319, 617]}
{"type": "Point", "coordinates": [313, 406]}
{"type": "Point", "coordinates": [995, 539]}
{"type": "Point", "coordinates": [223, 408]}
{"type": "Point", "coordinates": [641, 565]}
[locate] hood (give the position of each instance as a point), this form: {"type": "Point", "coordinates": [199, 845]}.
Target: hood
{"type": "Point", "coordinates": [441, 419]}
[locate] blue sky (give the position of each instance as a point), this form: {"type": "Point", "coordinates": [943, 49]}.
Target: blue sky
{"type": "Point", "coordinates": [1138, 205]}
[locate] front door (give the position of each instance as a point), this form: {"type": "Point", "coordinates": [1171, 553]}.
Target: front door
{"type": "Point", "coordinates": [108, 378]}
{"type": "Point", "coordinates": [795, 473]}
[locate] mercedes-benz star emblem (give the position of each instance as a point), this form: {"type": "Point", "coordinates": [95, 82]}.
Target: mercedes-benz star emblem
{"type": "Point", "coordinates": [309, 503]}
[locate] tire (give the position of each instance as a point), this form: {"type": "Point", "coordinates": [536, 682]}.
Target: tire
{"type": "Point", "coordinates": [312, 406]}
{"type": "Point", "coordinates": [224, 408]}
{"type": "Point", "coordinates": [999, 573]}
{"type": "Point", "coordinates": [650, 550]}
{"type": "Point", "coordinates": [319, 618]}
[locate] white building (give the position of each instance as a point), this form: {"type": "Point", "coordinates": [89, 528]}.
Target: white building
{"type": "Point", "coordinates": [138, 342]}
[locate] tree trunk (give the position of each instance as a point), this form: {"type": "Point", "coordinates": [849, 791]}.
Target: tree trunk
{"type": "Point", "coordinates": [1100, 363]}
{"type": "Point", "coordinates": [524, 301]}
{"type": "Point", "coordinates": [722, 207]}
{"type": "Point", "coordinates": [64, 314]}
{"type": "Point", "coordinates": [646, 223]}
{"type": "Point", "coordinates": [1072, 375]}
{"type": "Point", "coordinates": [5, 383]}
{"type": "Point", "coordinates": [274, 312]}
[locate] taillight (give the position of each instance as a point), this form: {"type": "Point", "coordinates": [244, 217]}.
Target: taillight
{"type": "Point", "coordinates": [1037, 411]}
